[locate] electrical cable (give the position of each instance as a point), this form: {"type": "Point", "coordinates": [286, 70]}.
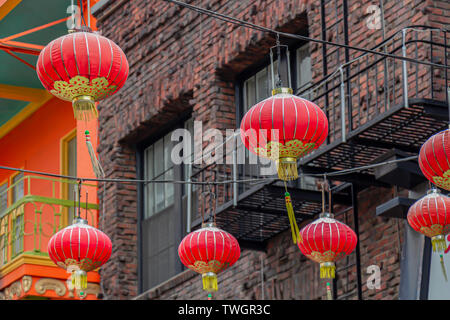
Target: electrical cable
{"type": "Point", "coordinates": [256, 180]}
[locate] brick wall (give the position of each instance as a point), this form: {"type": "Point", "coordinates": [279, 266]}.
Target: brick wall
{"type": "Point", "coordinates": [182, 62]}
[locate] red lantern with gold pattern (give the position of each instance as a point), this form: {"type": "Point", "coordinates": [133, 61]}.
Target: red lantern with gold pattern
{"type": "Point", "coordinates": [82, 67]}
{"type": "Point", "coordinates": [434, 159]}
{"type": "Point", "coordinates": [209, 251]}
{"type": "Point", "coordinates": [79, 248]}
{"type": "Point", "coordinates": [430, 216]}
{"type": "Point", "coordinates": [325, 241]}
{"type": "Point", "coordinates": [284, 128]}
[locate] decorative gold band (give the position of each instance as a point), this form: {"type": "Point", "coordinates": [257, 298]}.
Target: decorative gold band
{"type": "Point", "coordinates": [282, 90]}
{"type": "Point", "coordinates": [83, 98]}
{"type": "Point", "coordinates": [288, 160]}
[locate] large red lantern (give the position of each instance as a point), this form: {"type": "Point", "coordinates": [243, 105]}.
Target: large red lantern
{"type": "Point", "coordinates": [430, 216]}
{"type": "Point", "coordinates": [209, 251]}
{"type": "Point", "coordinates": [283, 128]}
{"type": "Point", "coordinates": [79, 248]}
{"type": "Point", "coordinates": [434, 159]}
{"type": "Point", "coordinates": [82, 67]}
{"type": "Point", "coordinates": [325, 241]}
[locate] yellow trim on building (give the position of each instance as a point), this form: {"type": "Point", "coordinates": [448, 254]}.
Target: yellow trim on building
{"type": "Point", "coordinates": [22, 115]}
{"type": "Point", "coordinates": [26, 259]}
{"type": "Point", "coordinates": [6, 7]}
{"type": "Point", "coordinates": [64, 169]}
{"type": "Point", "coordinates": [22, 93]}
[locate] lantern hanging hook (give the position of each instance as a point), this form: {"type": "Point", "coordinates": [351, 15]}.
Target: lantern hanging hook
{"type": "Point", "coordinates": [80, 181]}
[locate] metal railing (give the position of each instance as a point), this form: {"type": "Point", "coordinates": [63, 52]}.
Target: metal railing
{"type": "Point", "coordinates": [42, 209]}
{"type": "Point", "coordinates": [370, 85]}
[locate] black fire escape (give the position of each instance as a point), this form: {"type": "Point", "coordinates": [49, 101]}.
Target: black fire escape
{"type": "Point", "coordinates": [378, 108]}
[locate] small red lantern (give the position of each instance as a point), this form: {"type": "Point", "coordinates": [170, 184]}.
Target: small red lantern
{"type": "Point", "coordinates": [209, 251]}
{"type": "Point", "coordinates": [79, 248]}
{"type": "Point", "coordinates": [284, 128]}
{"type": "Point", "coordinates": [82, 67]}
{"type": "Point", "coordinates": [325, 241]}
{"type": "Point", "coordinates": [434, 159]}
{"type": "Point", "coordinates": [430, 216]}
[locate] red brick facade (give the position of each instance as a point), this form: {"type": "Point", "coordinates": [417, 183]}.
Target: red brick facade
{"type": "Point", "coordinates": [180, 61]}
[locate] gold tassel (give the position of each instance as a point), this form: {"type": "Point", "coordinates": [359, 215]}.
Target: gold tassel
{"type": "Point", "coordinates": [438, 243]}
{"type": "Point", "coordinates": [84, 108]}
{"type": "Point", "coordinates": [209, 281]}
{"type": "Point", "coordinates": [290, 209]}
{"type": "Point", "coordinates": [287, 169]}
{"type": "Point", "coordinates": [444, 272]}
{"type": "Point", "coordinates": [327, 270]}
{"type": "Point", "coordinates": [96, 166]}
{"type": "Point", "coordinates": [79, 280]}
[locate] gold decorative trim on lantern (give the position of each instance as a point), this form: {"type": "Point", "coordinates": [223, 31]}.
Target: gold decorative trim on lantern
{"type": "Point", "coordinates": [209, 280]}
{"type": "Point", "coordinates": [327, 256]}
{"type": "Point", "coordinates": [287, 168]}
{"type": "Point", "coordinates": [438, 243]}
{"type": "Point", "coordinates": [444, 181]}
{"type": "Point", "coordinates": [97, 88]}
{"type": "Point", "coordinates": [212, 266]}
{"type": "Point", "coordinates": [435, 230]}
{"type": "Point", "coordinates": [275, 150]}
{"type": "Point", "coordinates": [282, 90]}
{"type": "Point", "coordinates": [327, 270]}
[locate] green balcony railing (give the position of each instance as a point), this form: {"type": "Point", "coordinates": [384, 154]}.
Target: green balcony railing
{"type": "Point", "coordinates": [36, 208]}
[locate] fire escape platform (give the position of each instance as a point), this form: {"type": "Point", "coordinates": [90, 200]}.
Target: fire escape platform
{"type": "Point", "coordinates": [261, 213]}
{"type": "Point", "coordinates": [401, 128]}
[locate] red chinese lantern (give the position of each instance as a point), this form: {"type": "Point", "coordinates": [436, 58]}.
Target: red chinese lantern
{"type": "Point", "coordinates": [284, 128]}
{"type": "Point", "coordinates": [325, 241]}
{"type": "Point", "coordinates": [434, 159]}
{"type": "Point", "coordinates": [79, 248]}
{"type": "Point", "coordinates": [82, 67]}
{"type": "Point", "coordinates": [430, 216]}
{"type": "Point", "coordinates": [209, 251]}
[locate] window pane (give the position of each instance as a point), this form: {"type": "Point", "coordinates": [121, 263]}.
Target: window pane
{"type": "Point", "coordinates": [262, 90]}
{"type": "Point", "coordinates": [149, 200]}
{"type": "Point", "coordinates": [3, 197]}
{"type": "Point", "coordinates": [158, 161]}
{"type": "Point", "coordinates": [17, 247]}
{"type": "Point", "coordinates": [169, 188]}
{"type": "Point", "coordinates": [18, 188]}
{"type": "Point", "coordinates": [250, 93]}
{"type": "Point", "coordinates": [167, 152]}
{"type": "Point", "coordinates": [304, 74]}
{"type": "Point", "coordinates": [159, 195]}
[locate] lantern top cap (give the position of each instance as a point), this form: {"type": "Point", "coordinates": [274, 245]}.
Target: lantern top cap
{"type": "Point", "coordinates": [433, 191]}
{"type": "Point", "coordinates": [80, 221]}
{"type": "Point", "coordinates": [209, 225]}
{"type": "Point", "coordinates": [326, 215]}
{"type": "Point", "coordinates": [282, 90]}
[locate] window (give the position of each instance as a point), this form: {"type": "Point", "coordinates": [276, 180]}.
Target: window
{"type": "Point", "coordinates": [158, 166]}
{"type": "Point", "coordinates": [69, 168]}
{"type": "Point", "coordinates": [163, 215]}
{"type": "Point", "coordinates": [3, 197]}
{"type": "Point", "coordinates": [17, 234]}
{"type": "Point", "coordinates": [17, 193]}
{"type": "Point", "coordinates": [17, 184]}
{"type": "Point", "coordinates": [3, 240]}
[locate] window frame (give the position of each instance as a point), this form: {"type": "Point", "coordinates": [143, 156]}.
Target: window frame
{"type": "Point", "coordinates": [64, 165]}
{"type": "Point", "coordinates": [180, 232]}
